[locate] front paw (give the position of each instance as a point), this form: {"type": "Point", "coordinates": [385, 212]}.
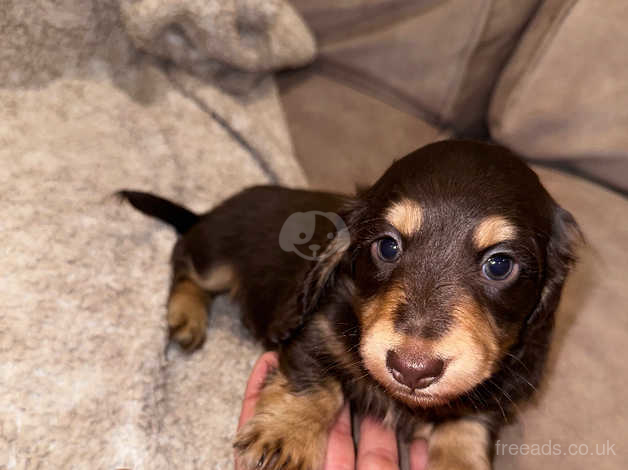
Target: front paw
{"type": "Point", "coordinates": [459, 445]}
{"type": "Point", "coordinates": [289, 429]}
{"type": "Point", "coordinates": [459, 463]}
{"type": "Point", "coordinates": [266, 446]}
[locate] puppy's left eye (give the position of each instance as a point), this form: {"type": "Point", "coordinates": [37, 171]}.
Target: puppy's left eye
{"type": "Point", "coordinates": [498, 267]}
{"type": "Point", "coordinates": [387, 249]}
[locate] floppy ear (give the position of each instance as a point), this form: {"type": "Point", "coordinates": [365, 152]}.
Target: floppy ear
{"type": "Point", "coordinates": [560, 257]}
{"type": "Point", "coordinates": [527, 359]}
{"type": "Point", "coordinates": [322, 276]}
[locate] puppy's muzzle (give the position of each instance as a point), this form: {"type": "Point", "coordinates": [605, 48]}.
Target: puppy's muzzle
{"type": "Point", "coordinates": [414, 371]}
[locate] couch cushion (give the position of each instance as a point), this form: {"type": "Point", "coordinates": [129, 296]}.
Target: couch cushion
{"type": "Point", "coordinates": [344, 137]}
{"type": "Point", "coordinates": [564, 94]}
{"type": "Point", "coordinates": [249, 35]}
{"type": "Point", "coordinates": [44, 39]}
{"type": "Point", "coordinates": [429, 58]}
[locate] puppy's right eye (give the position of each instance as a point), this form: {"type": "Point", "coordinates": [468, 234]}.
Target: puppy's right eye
{"type": "Point", "coordinates": [387, 249]}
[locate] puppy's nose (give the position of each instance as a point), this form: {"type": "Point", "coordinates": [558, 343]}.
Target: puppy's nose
{"type": "Point", "coordinates": [415, 372]}
{"type": "Point", "coordinates": [314, 247]}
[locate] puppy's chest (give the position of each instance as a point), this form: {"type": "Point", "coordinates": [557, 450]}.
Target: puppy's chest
{"type": "Point", "coordinates": [367, 399]}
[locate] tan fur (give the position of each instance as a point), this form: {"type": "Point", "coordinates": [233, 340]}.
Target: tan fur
{"type": "Point", "coordinates": [470, 345]}
{"type": "Point", "coordinates": [470, 348]}
{"type": "Point", "coordinates": [219, 278]}
{"type": "Point", "coordinates": [382, 307]}
{"type": "Point", "coordinates": [289, 429]}
{"type": "Point", "coordinates": [189, 296]}
{"type": "Point", "coordinates": [406, 216]}
{"type": "Point", "coordinates": [379, 335]}
{"type": "Point", "coordinates": [461, 444]}
{"type": "Point", "coordinates": [335, 347]}
{"type": "Point", "coordinates": [187, 314]}
{"type": "Point", "coordinates": [492, 230]}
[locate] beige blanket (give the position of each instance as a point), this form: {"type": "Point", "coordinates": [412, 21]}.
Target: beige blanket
{"type": "Point", "coordinates": [96, 96]}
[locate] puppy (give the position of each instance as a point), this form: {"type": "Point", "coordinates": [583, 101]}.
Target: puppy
{"type": "Point", "coordinates": [427, 303]}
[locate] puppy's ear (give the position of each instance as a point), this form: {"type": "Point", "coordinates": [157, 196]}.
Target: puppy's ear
{"type": "Point", "coordinates": [561, 255]}
{"type": "Point", "coordinates": [530, 354]}
{"type": "Point", "coordinates": [322, 276]}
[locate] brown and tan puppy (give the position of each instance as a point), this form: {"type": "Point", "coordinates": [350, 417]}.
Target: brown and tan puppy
{"type": "Point", "coordinates": [427, 301]}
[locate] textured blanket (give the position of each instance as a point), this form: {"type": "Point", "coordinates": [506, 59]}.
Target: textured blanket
{"type": "Point", "coordinates": [97, 96]}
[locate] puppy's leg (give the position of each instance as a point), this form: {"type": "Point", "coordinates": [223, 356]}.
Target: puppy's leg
{"type": "Point", "coordinates": [190, 295]}
{"type": "Point", "coordinates": [289, 429]}
{"type": "Point", "coordinates": [187, 314]}
{"type": "Point", "coordinates": [461, 444]}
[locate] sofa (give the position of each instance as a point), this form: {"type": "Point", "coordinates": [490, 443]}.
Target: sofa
{"type": "Point", "coordinates": [179, 98]}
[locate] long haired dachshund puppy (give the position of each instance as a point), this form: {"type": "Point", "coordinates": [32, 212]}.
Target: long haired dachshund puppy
{"type": "Point", "coordinates": [427, 300]}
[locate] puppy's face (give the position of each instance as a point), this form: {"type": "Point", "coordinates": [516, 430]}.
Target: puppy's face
{"type": "Point", "coordinates": [450, 256]}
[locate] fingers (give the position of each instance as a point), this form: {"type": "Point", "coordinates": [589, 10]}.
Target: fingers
{"type": "Point", "coordinates": [377, 449]}
{"type": "Point", "coordinates": [340, 451]}
{"type": "Point", "coordinates": [266, 362]}
{"type": "Point", "coordinates": [418, 455]}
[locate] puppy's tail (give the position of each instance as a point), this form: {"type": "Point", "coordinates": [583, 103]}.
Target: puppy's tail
{"type": "Point", "coordinates": [179, 217]}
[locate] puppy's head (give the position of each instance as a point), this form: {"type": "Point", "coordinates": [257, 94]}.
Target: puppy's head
{"type": "Point", "coordinates": [454, 251]}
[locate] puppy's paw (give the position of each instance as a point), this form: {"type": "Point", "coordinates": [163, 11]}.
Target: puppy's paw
{"type": "Point", "coordinates": [457, 464]}
{"type": "Point", "coordinates": [187, 316]}
{"type": "Point", "coordinates": [289, 430]}
{"type": "Point", "coordinates": [262, 446]}
{"type": "Point", "coordinates": [459, 445]}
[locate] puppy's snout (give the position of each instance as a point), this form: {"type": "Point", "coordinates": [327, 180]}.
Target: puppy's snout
{"type": "Point", "coordinates": [415, 372]}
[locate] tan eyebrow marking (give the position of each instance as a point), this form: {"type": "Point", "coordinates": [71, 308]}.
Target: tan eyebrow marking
{"type": "Point", "coordinates": [406, 216]}
{"type": "Point", "coordinates": [492, 230]}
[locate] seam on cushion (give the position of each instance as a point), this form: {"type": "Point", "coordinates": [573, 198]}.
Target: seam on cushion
{"type": "Point", "coordinates": [255, 154]}
{"type": "Point", "coordinates": [537, 56]}
{"type": "Point", "coordinates": [406, 11]}
{"type": "Point", "coordinates": [454, 87]}
{"type": "Point", "coordinates": [369, 85]}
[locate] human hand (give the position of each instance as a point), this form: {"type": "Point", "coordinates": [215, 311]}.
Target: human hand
{"type": "Point", "coordinates": [377, 448]}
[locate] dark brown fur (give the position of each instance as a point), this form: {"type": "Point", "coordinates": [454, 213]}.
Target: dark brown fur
{"type": "Point", "coordinates": [319, 314]}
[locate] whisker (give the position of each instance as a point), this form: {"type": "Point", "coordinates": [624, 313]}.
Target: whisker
{"type": "Point", "coordinates": [519, 360]}
{"type": "Point", "coordinates": [521, 376]}
{"type": "Point", "coordinates": [504, 393]}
